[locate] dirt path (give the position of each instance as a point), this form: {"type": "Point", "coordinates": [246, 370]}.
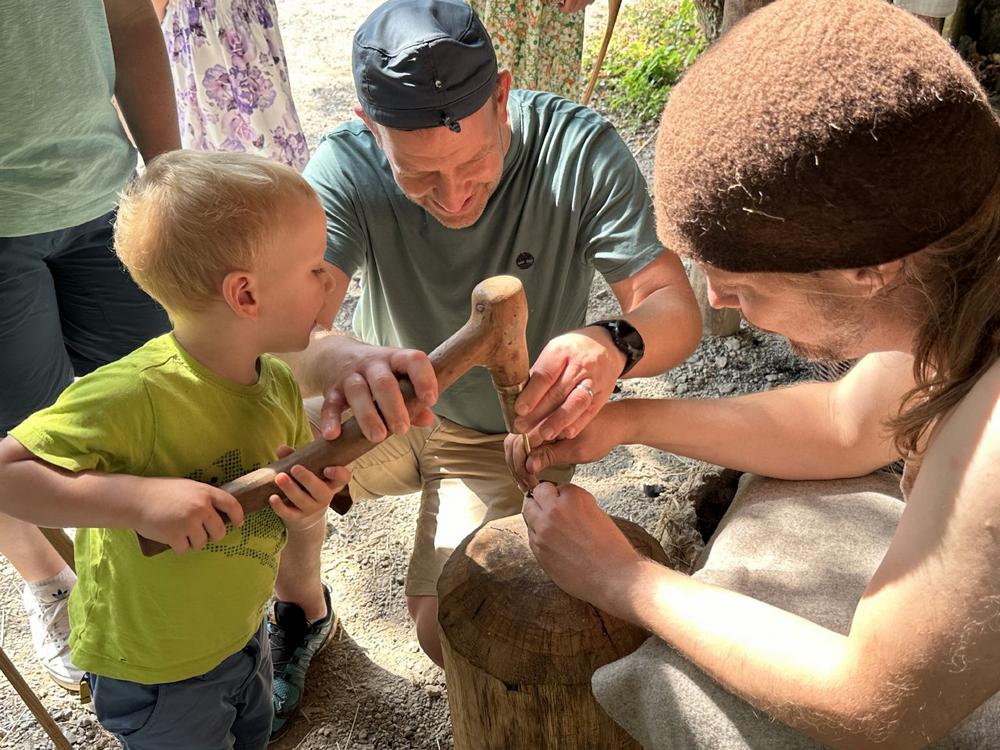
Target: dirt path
{"type": "Point", "coordinates": [372, 689]}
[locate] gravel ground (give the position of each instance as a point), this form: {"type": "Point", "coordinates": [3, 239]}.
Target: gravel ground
{"type": "Point", "coordinates": [372, 688]}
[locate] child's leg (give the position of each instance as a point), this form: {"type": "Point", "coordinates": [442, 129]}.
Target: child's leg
{"type": "Point", "coordinates": [227, 708]}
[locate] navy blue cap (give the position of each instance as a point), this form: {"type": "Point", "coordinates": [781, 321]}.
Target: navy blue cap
{"type": "Point", "coordinates": [423, 63]}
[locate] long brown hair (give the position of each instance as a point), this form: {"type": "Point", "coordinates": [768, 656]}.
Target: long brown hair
{"type": "Point", "coordinates": [958, 333]}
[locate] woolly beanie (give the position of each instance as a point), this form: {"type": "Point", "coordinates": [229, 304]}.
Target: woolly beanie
{"type": "Point", "coordinates": [822, 135]}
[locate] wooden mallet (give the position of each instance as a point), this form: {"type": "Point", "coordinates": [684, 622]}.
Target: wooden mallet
{"type": "Point", "coordinates": [493, 337]}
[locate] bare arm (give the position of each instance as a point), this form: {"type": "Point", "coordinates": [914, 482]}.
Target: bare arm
{"type": "Point", "coordinates": [572, 6]}
{"type": "Point", "coordinates": [924, 645]}
{"type": "Point", "coordinates": [805, 431]}
{"type": "Point", "coordinates": [178, 512]}
{"type": "Point", "coordinates": [364, 378]}
{"type": "Point", "coordinates": [659, 303]}
{"type": "Point", "coordinates": [160, 8]}
{"type": "Point", "coordinates": [143, 87]}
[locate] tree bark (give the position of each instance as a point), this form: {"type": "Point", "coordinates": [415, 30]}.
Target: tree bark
{"type": "Point", "coordinates": [710, 17]}
{"type": "Point", "coordinates": [983, 24]}
{"type": "Point", "coordinates": [736, 10]}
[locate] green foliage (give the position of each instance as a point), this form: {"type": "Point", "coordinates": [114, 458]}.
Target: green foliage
{"type": "Point", "coordinates": [653, 44]}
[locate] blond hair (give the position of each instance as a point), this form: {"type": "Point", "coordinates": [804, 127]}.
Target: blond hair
{"type": "Point", "coordinates": [192, 217]}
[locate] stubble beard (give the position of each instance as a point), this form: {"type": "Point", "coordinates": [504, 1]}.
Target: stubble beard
{"type": "Point", "coordinates": [461, 222]}
{"type": "Point", "coordinates": [817, 352]}
{"type": "Point", "coordinates": [842, 343]}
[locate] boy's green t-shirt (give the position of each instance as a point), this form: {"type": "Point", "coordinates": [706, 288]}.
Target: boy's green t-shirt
{"type": "Point", "coordinates": [159, 413]}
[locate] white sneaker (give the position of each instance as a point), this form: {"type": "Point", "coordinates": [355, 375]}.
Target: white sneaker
{"type": "Point", "coordinates": [48, 616]}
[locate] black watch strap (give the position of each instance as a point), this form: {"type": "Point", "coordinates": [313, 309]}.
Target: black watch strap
{"type": "Point", "coordinates": [628, 340]}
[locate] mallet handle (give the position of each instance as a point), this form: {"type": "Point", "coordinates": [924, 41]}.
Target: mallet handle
{"type": "Point", "coordinates": [493, 337]}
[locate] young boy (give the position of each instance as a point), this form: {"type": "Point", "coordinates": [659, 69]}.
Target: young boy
{"type": "Point", "coordinates": [232, 246]}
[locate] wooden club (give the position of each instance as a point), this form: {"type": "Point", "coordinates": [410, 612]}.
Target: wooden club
{"type": "Point", "coordinates": [493, 337]}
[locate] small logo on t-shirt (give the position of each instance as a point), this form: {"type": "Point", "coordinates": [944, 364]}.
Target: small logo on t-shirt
{"type": "Point", "coordinates": [525, 260]}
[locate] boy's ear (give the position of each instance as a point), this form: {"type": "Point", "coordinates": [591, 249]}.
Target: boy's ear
{"type": "Point", "coordinates": [239, 290]}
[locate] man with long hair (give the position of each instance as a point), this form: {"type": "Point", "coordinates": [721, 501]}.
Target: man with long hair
{"type": "Point", "coordinates": [846, 196]}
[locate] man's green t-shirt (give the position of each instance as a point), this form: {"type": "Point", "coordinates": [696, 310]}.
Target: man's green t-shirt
{"type": "Point", "coordinates": [571, 200]}
{"type": "Point", "coordinates": [64, 155]}
{"type": "Point", "coordinates": [159, 413]}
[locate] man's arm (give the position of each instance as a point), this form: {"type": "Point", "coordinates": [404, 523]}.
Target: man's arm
{"type": "Point", "coordinates": [923, 649]}
{"type": "Point", "coordinates": [804, 431]}
{"type": "Point", "coordinates": [364, 378]}
{"type": "Point", "coordinates": [659, 303]}
{"type": "Point", "coordinates": [160, 8]}
{"type": "Point", "coordinates": [143, 87]}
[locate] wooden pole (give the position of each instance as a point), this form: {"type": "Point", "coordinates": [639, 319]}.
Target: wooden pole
{"type": "Point", "coordinates": [519, 652]}
{"type": "Point", "coordinates": [493, 337]}
{"type": "Point", "coordinates": [613, 7]}
{"type": "Point", "coordinates": [33, 703]}
{"type": "Point", "coordinates": [64, 546]}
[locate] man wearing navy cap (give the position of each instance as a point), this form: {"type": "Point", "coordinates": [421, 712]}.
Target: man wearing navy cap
{"type": "Point", "coordinates": [450, 177]}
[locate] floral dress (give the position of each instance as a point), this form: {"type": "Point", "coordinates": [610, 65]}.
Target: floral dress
{"type": "Point", "coordinates": [537, 43]}
{"type": "Point", "coordinates": [231, 80]}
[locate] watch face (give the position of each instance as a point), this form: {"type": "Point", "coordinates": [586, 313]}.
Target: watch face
{"type": "Point", "coordinates": [628, 340]}
{"type": "Point", "coordinates": [631, 336]}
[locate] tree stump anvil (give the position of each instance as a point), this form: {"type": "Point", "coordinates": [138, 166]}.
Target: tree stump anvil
{"type": "Point", "coordinates": [519, 652]}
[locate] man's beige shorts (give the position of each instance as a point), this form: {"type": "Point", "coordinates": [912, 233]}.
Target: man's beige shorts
{"type": "Point", "coordinates": [463, 480]}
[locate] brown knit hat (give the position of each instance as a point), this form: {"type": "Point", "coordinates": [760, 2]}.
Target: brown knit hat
{"type": "Point", "coordinates": [819, 135]}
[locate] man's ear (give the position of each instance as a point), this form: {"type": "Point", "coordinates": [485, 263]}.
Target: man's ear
{"type": "Point", "coordinates": [504, 82]}
{"type": "Point", "coordinates": [239, 290]}
{"type": "Point", "coordinates": [874, 279]}
{"type": "Point", "coordinates": [368, 123]}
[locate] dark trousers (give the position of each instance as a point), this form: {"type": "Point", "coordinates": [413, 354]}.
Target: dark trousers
{"type": "Point", "coordinates": [66, 307]}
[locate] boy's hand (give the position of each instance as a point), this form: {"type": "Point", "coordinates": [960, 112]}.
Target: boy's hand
{"type": "Point", "coordinates": [184, 513]}
{"type": "Point", "coordinates": [308, 495]}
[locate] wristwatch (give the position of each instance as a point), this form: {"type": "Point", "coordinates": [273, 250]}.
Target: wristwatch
{"type": "Point", "coordinates": [626, 339]}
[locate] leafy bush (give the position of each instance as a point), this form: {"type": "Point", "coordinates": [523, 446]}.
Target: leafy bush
{"type": "Point", "coordinates": [653, 44]}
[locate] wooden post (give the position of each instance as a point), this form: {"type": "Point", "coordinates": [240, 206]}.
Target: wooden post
{"type": "Point", "coordinates": [519, 652]}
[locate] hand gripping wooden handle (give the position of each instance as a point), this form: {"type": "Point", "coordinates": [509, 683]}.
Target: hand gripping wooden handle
{"type": "Point", "coordinates": [493, 337]}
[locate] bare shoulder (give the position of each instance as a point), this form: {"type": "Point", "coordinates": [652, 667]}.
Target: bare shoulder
{"type": "Point", "coordinates": [964, 450]}
{"type": "Point", "coordinates": [956, 497]}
